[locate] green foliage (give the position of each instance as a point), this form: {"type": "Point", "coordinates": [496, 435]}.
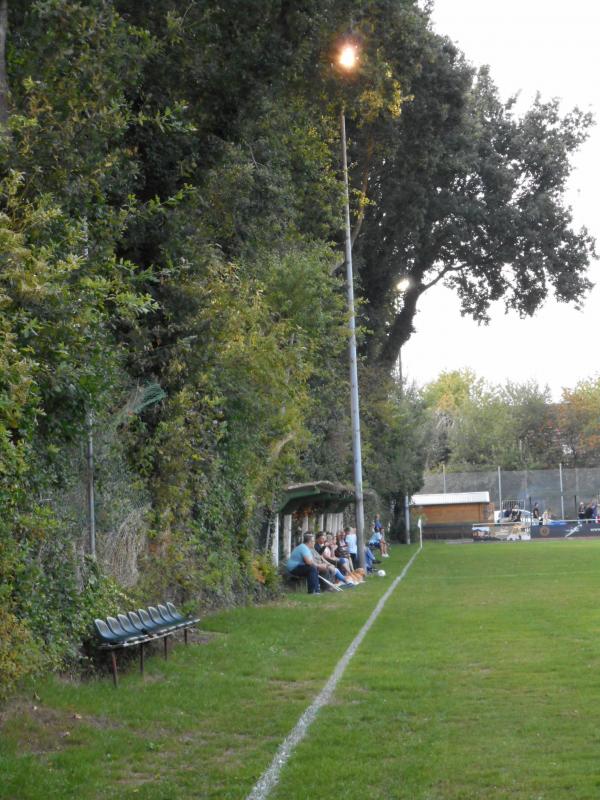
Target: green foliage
{"type": "Point", "coordinates": [170, 222]}
{"type": "Point", "coordinates": [471, 424]}
{"type": "Point", "coordinates": [17, 650]}
{"type": "Point", "coordinates": [265, 572]}
{"type": "Point", "coordinates": [467, 192]}
{"type": "Point", "coordinates": [578, 423]}
{"type": "Point", "coordinates": [394, 430]}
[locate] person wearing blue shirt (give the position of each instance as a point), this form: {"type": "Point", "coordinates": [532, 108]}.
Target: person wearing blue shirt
{"type": "Point", "coordinates": [301, 564]}
{"type": "Point", "coordinates": [377, 539]}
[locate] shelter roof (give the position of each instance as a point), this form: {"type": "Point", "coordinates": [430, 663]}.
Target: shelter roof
{"type": "Point", "coordinates": [324, 497]}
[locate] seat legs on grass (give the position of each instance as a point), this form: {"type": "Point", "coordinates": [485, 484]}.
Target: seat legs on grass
{"type": "Point", "coordinates": [308, 571]}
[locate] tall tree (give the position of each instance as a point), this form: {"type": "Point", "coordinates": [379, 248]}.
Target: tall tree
{"type": "Point", "coordinates": [578, 423]}
{"type": "Point", "coordinates": [470, 194]}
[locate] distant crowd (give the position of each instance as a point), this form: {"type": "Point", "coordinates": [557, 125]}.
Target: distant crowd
{"type": "Point", "coordinates": [332, 562]}
{"type": "Point", "coordinates": [587, 512]}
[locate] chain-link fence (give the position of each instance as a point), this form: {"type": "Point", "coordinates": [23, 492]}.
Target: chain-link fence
{"type": "Point", "coordinates": [558, 490]}
{"type": "Point", "coordinates": [121, 504]}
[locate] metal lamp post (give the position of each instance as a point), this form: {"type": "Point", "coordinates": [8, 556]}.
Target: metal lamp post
{"type": "Point", "coordinates": [347, 60]}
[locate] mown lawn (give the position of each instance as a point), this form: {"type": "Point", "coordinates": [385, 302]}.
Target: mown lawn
{"type": "Point", "coordinates": [480, 679]}
{"type": "Point", "coordinates": [203, 724]}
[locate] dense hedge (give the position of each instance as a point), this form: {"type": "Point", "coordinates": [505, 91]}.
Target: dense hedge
{"type": "Point", "coordinates": [170, 226]}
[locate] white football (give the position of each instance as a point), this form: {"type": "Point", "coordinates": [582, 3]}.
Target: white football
{"type": "Point", "coordinates": [381, 573]}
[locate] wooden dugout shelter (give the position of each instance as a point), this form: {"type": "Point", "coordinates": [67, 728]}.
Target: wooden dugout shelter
{"type": "Point", "coordinates": [317, 505]}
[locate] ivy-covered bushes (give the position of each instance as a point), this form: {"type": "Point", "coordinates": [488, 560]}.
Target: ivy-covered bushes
{"type": "Point", "coordinates": [170, 216]}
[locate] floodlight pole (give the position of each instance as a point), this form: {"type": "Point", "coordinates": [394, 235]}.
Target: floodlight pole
{"type": "Point", "coordinates": [562, 496]}
{"type": "Point", "coordinates": [354, 404]}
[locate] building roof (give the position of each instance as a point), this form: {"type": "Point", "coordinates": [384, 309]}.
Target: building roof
{"type": "Point", "coordinates": [450, 498]}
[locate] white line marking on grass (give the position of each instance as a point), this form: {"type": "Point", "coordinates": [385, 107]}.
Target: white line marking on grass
{"type": "Point", "coordinates": [271, 776]}
{"type": "Point", "coordinates": [485, 576]}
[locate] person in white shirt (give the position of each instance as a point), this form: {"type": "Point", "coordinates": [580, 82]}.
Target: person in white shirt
{"type": "Point", "coordinates": [352, 545]}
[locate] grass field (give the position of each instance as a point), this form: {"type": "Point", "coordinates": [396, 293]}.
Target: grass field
{"type": "Point", "coordinates": [480, 679]}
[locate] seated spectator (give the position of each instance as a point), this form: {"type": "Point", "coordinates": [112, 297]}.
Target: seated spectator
{"type": "Point", "coordinates": [324, 548]}
{"type": "Point", "coordinates": [378, 542]}
{"type": "Point", "coordinates": [369, 560]}
{"type": "Point", "coordinates": [341, 548]}
{"type": "Point", "coordinates": [327, 570]}
{"type": "Point", "coordinates": [301, 564]}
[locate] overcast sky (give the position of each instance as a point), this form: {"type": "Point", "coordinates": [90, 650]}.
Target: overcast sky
{"type": "Point", "coordinates": [531, 45]}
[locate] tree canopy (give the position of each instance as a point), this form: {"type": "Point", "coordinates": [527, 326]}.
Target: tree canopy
{"type": "Point", "coordinates": [467, 192]}
{"type": "Point", "coordinates": [472, 424]}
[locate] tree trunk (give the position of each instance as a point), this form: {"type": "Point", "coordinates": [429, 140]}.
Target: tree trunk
{"type": "Point", "coordinates": [401, 330]}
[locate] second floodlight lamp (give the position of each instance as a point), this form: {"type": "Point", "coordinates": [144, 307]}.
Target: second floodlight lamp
{"type": "Point", "coordinates": [348, 56]}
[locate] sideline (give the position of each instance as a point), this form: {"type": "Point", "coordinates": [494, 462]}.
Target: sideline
{"type": "Point", "coordinates": [270, 777]}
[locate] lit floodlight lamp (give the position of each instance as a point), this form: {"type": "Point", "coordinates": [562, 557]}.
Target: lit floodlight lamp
{"type": "Point", "coordinates": [348, 57]}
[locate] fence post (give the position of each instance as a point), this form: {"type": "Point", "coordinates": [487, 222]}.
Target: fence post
{"type": "Point", "coordinates": [500, 490]}
{"type": "Point", "coordinates": [562, 498]}
{"type": "Point", "coordinates": [275, 542]}
{"type": "Point", "coordinates": [287, 535]}
{"type": "Point", "coordinates": [90, 476]}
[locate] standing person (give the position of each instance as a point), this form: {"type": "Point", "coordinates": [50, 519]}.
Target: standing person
{"type": "Point", "coordinates": [535, 513]}
{"type": "Point", "coordinates": [352, 545]}
{"type": "Point", "coordinates": [581, 511]}
{"type": "Point", "coordinates": [301, 564]}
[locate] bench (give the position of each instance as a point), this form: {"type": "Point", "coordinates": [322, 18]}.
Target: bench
{"type": "Point", "coordinates": [137, 628]}
{"type": "Point", "coordinates": [298, 582]}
